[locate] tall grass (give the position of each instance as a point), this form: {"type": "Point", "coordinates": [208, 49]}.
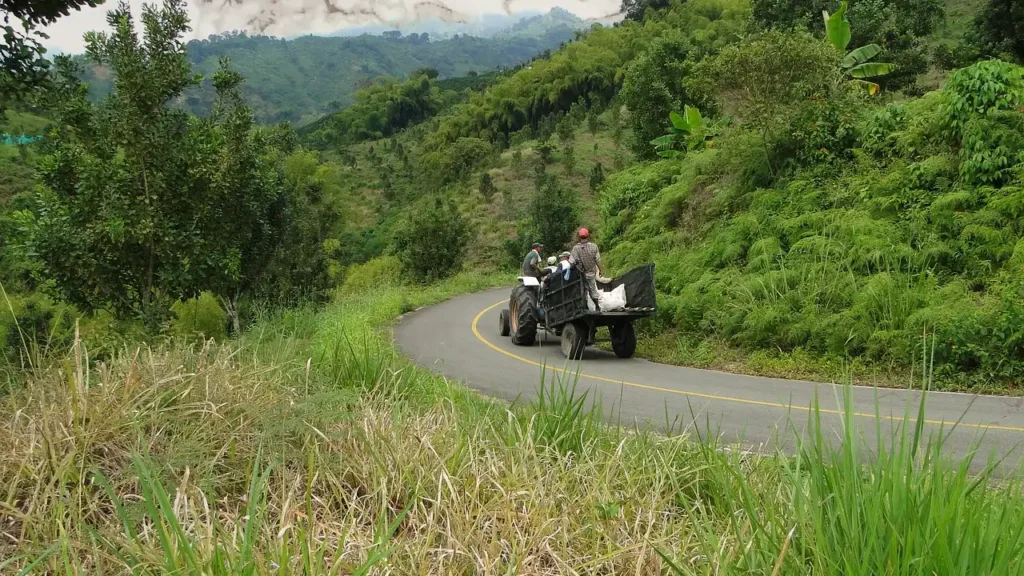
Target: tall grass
{"type": "Point", "coordinates": [310, 447]}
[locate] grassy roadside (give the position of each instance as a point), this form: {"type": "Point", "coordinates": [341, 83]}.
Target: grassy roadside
{"type": "Point", "coordinates": [311, 447]}
{"type": "Point", "coordinates": [671, 347]}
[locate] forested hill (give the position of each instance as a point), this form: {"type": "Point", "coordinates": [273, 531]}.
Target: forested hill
{"type": "Point", "coordinates": [486, 26]}
{"type": "Point", "coordinates": [301, 79]}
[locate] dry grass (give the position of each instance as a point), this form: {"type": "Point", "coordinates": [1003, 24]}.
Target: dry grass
{"type": "Point", "coordinates": [311, 447]}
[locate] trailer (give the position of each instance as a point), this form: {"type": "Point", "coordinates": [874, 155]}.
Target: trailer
{"type": "Point", "coordinates": [559, 306]}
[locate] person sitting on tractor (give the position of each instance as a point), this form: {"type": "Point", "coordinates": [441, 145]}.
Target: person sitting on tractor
{"type": "Point", "coordinates": [532, 263]}
{"type": "Point", "coordinates": [564, 264]}
{"type": "Point", "coordinates": [586, 255]}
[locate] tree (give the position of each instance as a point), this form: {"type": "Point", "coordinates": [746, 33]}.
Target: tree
{"type": "Point", "coordinates": [554, 215]}
{"type": "Point", "coordinates": [569, 157]}
{"type": "Point", "coordinates": [653, 87]}
{"type": "Point", "coordinates": [593, 123]}
{"type": "Point", "coordinates": [636, 10]}
{"type": "Point", "coordinates": [144, 205]}
{"type": "Point", "coordinates": [766, 79]}
{"type": "Point", "coordinates": [998, 30]}
{"type": "Point", "coordinates": [246, 239]}
{"type": "Point", "coordinates": [22, 62]}
{"type": "Point", "coordinates": [431, 244]}
{"type": "Point", "coordinates": [596, 176]}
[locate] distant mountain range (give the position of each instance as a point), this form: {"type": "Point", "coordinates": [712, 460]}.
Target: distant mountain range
{"type": "Point", "coordinates": [520, 24]}
{"type": "Point", "coordinates": [303, 78]}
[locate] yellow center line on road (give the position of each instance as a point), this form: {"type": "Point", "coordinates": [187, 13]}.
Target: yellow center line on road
{"type": "Point", "coordinates": [480, 337]}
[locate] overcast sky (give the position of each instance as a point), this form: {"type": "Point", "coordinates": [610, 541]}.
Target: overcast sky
{"type": "Point", "coordinates": [295, 17]}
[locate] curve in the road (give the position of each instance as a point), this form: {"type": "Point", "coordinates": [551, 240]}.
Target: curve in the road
{"type": "Point", "coordinates": [492, 346]}
{"type": "Point", "coordinates": [450, 339]}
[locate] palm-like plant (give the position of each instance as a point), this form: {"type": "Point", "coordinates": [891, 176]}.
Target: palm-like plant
{"type": "Point", "coordinates": [857, 62]}
{"type": "Point", "coordinates": [688, 132]}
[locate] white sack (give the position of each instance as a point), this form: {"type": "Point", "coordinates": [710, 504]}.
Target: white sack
{"type": "Point", "coordinates": [614, 300]}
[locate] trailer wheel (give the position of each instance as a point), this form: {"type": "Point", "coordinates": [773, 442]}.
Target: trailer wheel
{"type": "Point", "coordinates": [504, 328]}
{"type": "Point", "coordinates": [523, 316]}
{"type": "Point", "coordinates": [624, 340]}
{"type": "Point", "coordinates": [574, 340]}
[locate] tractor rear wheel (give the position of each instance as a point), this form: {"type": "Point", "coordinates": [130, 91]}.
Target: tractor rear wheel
{"type": "Point", "coordinates": [523, 316]}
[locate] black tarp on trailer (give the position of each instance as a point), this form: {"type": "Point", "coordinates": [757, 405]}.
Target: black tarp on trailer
{"type": "Point", "coordinates": [566, 300]}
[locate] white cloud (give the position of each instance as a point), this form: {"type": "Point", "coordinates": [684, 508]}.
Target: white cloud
{"type": "Point", "coordinates": [295, 17]}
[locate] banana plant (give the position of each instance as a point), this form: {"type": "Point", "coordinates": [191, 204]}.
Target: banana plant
{"type": "Point", "coordinates": [856, 63]}
{"type": "Point", "coordinates": [687, 132]}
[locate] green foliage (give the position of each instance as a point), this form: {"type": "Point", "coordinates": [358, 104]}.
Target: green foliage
{"type": "Point", "coordinates": [998, 30]}
{"type": "Point", "coordinates": [380, 110]}
{"type": "Point", "coordinates": [201, 317]}
{"type": "Point", "coordinates": [847, 262]}
{"type": "Point", "coordinates": [31, 327]}
{"type": "Point", "coordinates": [687, 132]}
{"type": "Point", "coordinates": [899, 26]}
{"type": "Point", "coordinates": [554, 216]}
{"type": "Point", "coordinates": [373, 275]}
{"type": "Point", "coordinates": [143, 204]}
{"type": "Point", "coordinates": [584, 69]}
{"type": "Point", "coordinates": [117, 225]}
{"type": "Point", "coordinates": [593, 123]}
{"type": "Point", "coordinates": [653, 87]}
{"type": "Point", "coordinates": [770, 78]}
{"type": "Point", "coordinates": [301, 79]}
{"type": "Point", "coordinates": [569, 157]}
{"type": "Point", "coordinates": [596, 177]}
{"type": "Point", "coordinates": [856, 62]}
{"type": "Point", "coordinates": [23, 66]}
{"type": "Point", "coordinates": [487, 187]}
{"type": "Point", "coordinates": [981, 105]}
{"type": "Point", "coordinates": [431, 244]}
{"type": "Point", "coordinates": [625, 193]}
{"type": "Point", "coordinates": [457, 161]}
{"type": "Point", "coordinates": [637, 10]}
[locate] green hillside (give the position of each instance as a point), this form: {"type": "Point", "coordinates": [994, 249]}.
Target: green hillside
{"type": "Point", "coordinates": [301, 79]}
{"type": "Point", "coordinates": [802, 239]}
{"type": "Point", "coordinates": [197, 371]}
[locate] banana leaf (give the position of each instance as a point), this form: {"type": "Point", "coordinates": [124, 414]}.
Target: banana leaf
{"type": "Point", "coordinates": [837, 28]}
{"type": "Point", "coordinates": [861, 55]}
{"type": "Point", "coordinates": [665, 141]}
{"type": "Point", "coordinates": [869, 87]}
{"type": "Point", "coordinates": [871, 69]}
{"type": "Point", "coordinates": [693, 119]}
{"type": "Point", "coordinates": [678, 122]}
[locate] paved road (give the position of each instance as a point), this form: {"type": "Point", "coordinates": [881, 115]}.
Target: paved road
{"type": "Point", "coordinates": [460, 339]}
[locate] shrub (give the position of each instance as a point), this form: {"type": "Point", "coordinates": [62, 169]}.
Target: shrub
{"type": "Point", "coordinates": [487, 188]}
{"type": "Point", "coordinates": [201, 317]}
{"type": "Point", "coordinates": [380, 272]}
{"type": "Point", "coordinates": [432, 242]}
{"type": "Point", "coordinates": [37, 325]}
{"type": "Point", "coordinates": [596, 176]}
{"type": "Point", "coordinates": [981, 90]}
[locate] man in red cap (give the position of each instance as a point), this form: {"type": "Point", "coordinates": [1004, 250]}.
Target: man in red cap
{"type": "Point", "coordinates": [586, 254]}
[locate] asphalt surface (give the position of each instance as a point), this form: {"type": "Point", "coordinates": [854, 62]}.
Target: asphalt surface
{"type": "Point", "coordinates": [460, 340]}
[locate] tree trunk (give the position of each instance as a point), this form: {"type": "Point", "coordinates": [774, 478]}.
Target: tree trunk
{"type": "Point", "coordinates": [231, 309]}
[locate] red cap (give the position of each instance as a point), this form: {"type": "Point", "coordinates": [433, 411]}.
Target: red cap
{"type": "Point", "coordinates": [584, 233]}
